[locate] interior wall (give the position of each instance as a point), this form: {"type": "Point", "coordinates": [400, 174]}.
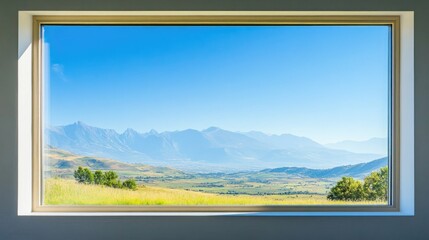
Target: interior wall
{"type": "Point", "coordinates": [14, 227]}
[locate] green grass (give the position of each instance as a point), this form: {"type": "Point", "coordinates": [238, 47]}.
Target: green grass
{"type": "Point", "coordinates": [68, 192]}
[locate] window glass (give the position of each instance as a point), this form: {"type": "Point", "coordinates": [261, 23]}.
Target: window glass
{"type": "Point", "coordinates": [215, 115]}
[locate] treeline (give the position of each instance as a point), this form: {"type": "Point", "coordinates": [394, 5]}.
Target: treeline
{"type": "Point", "coordinates": [109, 178]}
{"type": "Point", "coordinates": [374, 187]}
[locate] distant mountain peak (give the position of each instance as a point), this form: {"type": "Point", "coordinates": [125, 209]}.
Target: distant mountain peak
{"type": "Point", "coordinates": [80, 123]}
{"type": "Point", "coordinates": [77, 126]}
{"type": "Point", "coordinates": [153, 131]}
{"type": "Point", "coordinates": [130, 132]}
{"type": "Point", "coordinates": [83, 127]}
{"type": "Point", "coordinates": [212, 129]}
{"type": "Point", "coordinates": [258, 132]}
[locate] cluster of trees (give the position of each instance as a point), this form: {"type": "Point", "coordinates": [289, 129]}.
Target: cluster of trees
{"type": "Point", "coordinates": [374, 187]}
{"type": "Point", "coordinates": [109, 178]}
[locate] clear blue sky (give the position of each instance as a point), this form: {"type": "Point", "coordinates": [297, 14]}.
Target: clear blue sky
{"type": "Point", "coordinates": [329, 83]}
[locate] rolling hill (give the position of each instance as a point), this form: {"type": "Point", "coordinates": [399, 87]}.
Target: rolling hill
{"type": "Point", "coordinates": [358, 170]}
{"type": "Point", "coordinates": [62, 163]}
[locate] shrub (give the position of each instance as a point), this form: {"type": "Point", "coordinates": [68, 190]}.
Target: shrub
{"type": "Point", "coordinates": [114, 183]}
{"type": "Point", "coordinates": [111, 179]}
{"type": "Point", "coordinates": [130, 184]}
{"type": "Point", "coordinates": [110, 176]}
{"type": "Point", "coordinates": [83, 175]}
{"type": "Point", "coordinates": [347, 189]}
{"type": "Point", "coordinates": [375, 185]}
{"type": "Point", "coordinates": [99, 178]}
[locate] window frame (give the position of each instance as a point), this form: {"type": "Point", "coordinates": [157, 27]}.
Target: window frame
{"type": "Point", "coordinates": [219, 18]}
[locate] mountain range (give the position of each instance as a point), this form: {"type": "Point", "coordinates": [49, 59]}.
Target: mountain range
{"type": "Point", "coordinates": [209, 150]}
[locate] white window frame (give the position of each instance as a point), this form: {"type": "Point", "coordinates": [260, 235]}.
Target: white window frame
{"type": "Point", "coordinates": [406, 116]}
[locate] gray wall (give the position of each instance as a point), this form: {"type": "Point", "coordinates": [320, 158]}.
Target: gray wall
{"type": "Point", "coordinates": [14, 227]}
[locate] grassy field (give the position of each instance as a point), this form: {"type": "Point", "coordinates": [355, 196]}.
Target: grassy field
{"type": "Point", "coordinates": [245, 184]}
{"type": "Point", "coordinates": [68, 192]}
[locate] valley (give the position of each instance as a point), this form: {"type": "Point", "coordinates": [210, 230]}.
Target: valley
{"type": "Point", "coordinates": [286, 181]}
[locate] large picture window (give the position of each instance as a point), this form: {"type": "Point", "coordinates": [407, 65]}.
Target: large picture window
{"type": "Point", "coordinates": [216, 113]}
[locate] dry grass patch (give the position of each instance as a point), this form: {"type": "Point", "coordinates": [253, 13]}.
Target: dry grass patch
{"type": "Point", "coordinates": [68, 192]}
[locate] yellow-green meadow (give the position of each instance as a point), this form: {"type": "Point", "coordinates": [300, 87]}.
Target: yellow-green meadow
{"type": "Point", "coordinates": [69, 192]}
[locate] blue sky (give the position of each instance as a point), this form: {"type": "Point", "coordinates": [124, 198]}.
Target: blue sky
{"type": "Point", "coordinates": [329, 83]}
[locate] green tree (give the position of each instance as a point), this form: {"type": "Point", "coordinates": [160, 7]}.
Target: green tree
{"type": "Point", "coordinates": [110, 176]}
{"type": "Point", "coordinates": [83, 175]}
{"type": "Point", "coordinates": [347, 189]}
{"type": "Point", "coordinates": [111, 179]}
{"type": "Point", "coordinates": [99, 177]}
{"type": "Point", "coordinates": [130, 184]}
{"type": "Point", "coordinates": [376, 184]}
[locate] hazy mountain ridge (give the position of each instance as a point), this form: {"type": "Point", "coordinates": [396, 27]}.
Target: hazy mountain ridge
{"type": "Point", "coordinates": [212, 149]}
{"type": "Point", "coordinates": [372, 145]}
{"type": "Point", "coordinates": [60, 162]}
{"type": "Point", "coordinates": [358, 170]}
{"type": "Point", "coordinates": [282, 140]}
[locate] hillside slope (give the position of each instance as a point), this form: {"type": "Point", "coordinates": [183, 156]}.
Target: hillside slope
{"type": "Point", "coordinates": [63, 163]}
{"type": "Point", "coordinates": [357, 170]}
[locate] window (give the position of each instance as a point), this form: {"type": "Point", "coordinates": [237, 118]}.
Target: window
{"type": "Point", "coordinates": [216, 113]}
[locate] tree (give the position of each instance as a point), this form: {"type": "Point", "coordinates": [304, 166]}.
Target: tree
{"type": "Point", "coordinates": [111, 179]}
{"type": "Point", "coordinates": [130, 184]}
{"type": "Point", "coordinates": [99, 177]}
{"type": "Point", "coordinates": [376, 184]}
{"type": "Point", "coordinates": [83, 175]}
{"type": "Point", "coordinates": [110, 176]}
{"type": "Point", "coordinates": [347, 189]}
